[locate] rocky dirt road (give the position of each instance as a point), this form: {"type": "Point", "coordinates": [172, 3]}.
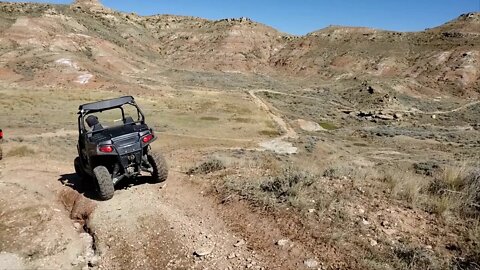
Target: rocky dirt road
{"type": "Point", "coordinates": [170, 226]}
{"type": "Point", "coordinates": [165, 226]}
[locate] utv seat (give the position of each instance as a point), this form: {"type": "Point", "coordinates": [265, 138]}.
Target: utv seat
{"type": "Point", "coordinates": [129, 120]}
{"type": "Point", "coordinates": [92, 122]}
{"type": "Point", "coordinates": [97, 127]}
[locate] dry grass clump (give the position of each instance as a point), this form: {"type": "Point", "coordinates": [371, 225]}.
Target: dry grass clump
{"type": "Point", "coordinates": [455, 189]}
{"type": "Point", "coordinates": [405, 185]}
{"type": "Point", "coordinates": [209, 166]}
{"type": "Point", "coordinates": [20, 151]}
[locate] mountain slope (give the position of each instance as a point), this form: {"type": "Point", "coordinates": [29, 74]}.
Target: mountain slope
{"type": "Point", "coordinates": [90, 45]}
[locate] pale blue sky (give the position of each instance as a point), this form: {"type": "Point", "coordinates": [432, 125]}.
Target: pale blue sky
{"type": "Point", "coordinates": [303, 16]}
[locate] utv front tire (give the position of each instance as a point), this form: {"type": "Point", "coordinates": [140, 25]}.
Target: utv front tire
{"type": "Point", "coordinates": [104, 183]}
{"type": "Point", "coordinates": [159, 166]}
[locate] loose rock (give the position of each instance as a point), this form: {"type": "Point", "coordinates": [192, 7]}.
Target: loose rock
{"type": "Point", "coordinates": [239, 243]}
{"type": "Point", "coordinates": [282, 242]}
{"type": "Point", "coordinates": [311, 263]}
{"type": "Point", "coordinates": [203, 251]}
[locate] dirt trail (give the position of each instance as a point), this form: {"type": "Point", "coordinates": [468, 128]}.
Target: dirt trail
{"type": "Point", "coordinates": [162, 226]}
{"type": "Point", "coordinates": [144, 226]}
{"type": "Point", "coordinates": [456, 109]}
{"type": "Point", "coordinates": [289, 132]}
{"type": "Point", "coordinates": [279, 144]}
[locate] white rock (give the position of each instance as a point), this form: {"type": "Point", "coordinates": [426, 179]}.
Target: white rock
{"type": "Point", "coordinates": [282, 242]}
{"type": "Point", "coordinates": [239, 243]}
{"type": "Point", "coordinates": [311, 263]}
{"type": "Point", "coordinates": [77, 225]}
{"type": "Point", "coordinates": [203, 251]}
{"type": "Point", "coordinates": [84, 78]}
{"type": "Point", "coordinates": [365, 222]}
{"type": "Point", "coordinates": [95, 260]}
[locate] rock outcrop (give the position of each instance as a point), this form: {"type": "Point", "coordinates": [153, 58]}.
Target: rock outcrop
{"type": "Point", "coordinates": [90, 3]}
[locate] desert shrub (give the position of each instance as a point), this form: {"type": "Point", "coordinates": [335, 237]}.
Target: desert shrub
{"type": "Point", "coordinates": [20, 151]}
{"type": "Point", "coordinates": [209, 166]}
{"type": "Point", "coordinates": [426, 168]}
{"type": "Point", "coordinates": [209, 118]}
{"type": "Point", "coordinates": [414, 258]}
{"type": "Point", "coordinates": [287, 183]}
{"type": "Point", "coordinates": [340, 171]}
{"type": "Point", "coordinates": [270, 133]}
{"type": "Point", "coordinates": [330, 173]}
{"type": "Point", "coordinates": [287, 186]}
{"type": "Point", "coordinates": [469, 262]}
{"type": "Point", "coordinates": [243, 120]}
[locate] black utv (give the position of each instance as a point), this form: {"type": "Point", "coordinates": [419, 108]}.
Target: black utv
{"type": "Point", "coordinates": [113, 146]}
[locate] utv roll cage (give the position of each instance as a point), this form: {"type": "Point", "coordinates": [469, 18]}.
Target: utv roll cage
{"type": "Point", "coordinates": [108, 104]}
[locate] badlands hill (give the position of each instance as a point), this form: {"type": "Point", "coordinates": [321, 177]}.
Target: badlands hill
{"type": "Point", "coordinates": [88, 45]}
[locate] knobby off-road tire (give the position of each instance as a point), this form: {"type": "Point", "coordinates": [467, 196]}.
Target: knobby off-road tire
{"type": "Point", "coordinates": [159, 166]}
{"type": "Point", "coordinates": [79, 169]}
{"type": "Point", "coordinates": [104, 183]}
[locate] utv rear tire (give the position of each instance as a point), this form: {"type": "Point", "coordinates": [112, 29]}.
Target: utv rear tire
{"type": "Point", "coordinates": [159, 166]}
{"type": "Point", "coordinates": [79, 169]}
{"type": "Point", "coordinates": [104, 183]}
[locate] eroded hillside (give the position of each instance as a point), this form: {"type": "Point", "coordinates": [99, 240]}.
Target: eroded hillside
{"type": "Point", "coordinates": [91, 45]}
